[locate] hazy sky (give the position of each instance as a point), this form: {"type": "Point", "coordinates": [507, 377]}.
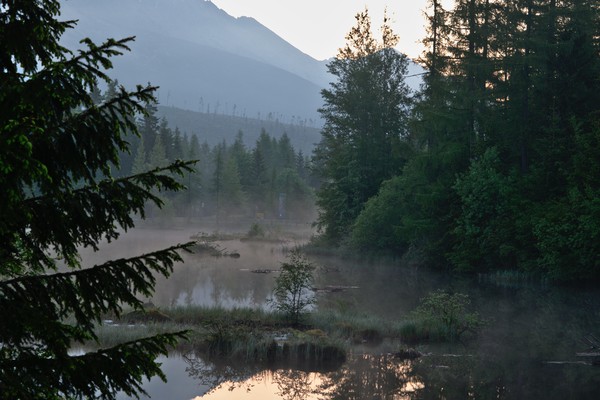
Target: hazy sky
{"type": "Point", "coordinates": [318, 27]}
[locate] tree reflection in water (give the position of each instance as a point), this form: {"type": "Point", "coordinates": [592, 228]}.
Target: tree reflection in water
{"type": "Point", "coordinates": [293, 384]}
{"type": "Point", "coordinates": [437, 376]}
{"type": "Point", "coordinates": [371, 377]}
{"type": "Point", "coordinates": [217, 375]}
{"type": "Point", "coordinates": [361, 377]}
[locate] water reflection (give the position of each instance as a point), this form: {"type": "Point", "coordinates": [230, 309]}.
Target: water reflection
{"type": "Point", "coordinates": [383, 376]}
{"type": "Point", "coordinates": [224, 282]}
{"type": "Point", "coordinates": [371, 377]}
{"type": "Point", "coordinates": [202, 280]}
{"type": "Point", "coordinates": [362, 377]}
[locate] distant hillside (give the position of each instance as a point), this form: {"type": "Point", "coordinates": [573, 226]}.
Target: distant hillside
{"type": "Point", "coordinates": [202, 58]}
{"type": "Point", "coordinates": [215, 128]}
{"type": "Point", "coordinates": [205, 60]}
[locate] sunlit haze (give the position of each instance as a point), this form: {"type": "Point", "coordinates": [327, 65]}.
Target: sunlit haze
{"type": "Point", "coordinates": [318, 27]}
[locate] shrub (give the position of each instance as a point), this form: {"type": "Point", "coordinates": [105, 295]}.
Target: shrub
{"type": "Point", "coordinates": [445, 316]}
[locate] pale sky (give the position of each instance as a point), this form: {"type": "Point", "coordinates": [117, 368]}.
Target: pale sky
{"type": "Point", "coordinates": [318, 27]}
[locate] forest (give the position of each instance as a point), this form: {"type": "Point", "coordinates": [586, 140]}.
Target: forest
{"type": "Point", "coordinates": [270, 180]}
{"type": "Point", "coordinates": [493, 165]}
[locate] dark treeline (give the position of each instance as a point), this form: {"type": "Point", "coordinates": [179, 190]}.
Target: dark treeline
{"type": "Point", "coordinates": [270, 180]}
{"type": "Point", "coordinates": [494, 164]}
{"type": "Point", "coordinates": [214, 128]}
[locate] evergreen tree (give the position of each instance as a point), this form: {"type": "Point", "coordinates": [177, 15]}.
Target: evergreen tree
{"type": "Point", "coordinates": [149, 124]}
{"type": "Point", "coordinates": [365, 115]}
{"type": "Point", "coordinates": [242, 160]}
{"type": "Point", "coordinates": [217, 181]}
{"type": "Point", "coordinates": [231, 189]}
{"type": "Point", "coordinates": [258, 191]}
{"type": "Point", "coordinates": [57, 149]}
{"type": "Point", "coordinates": [194, 148]}
{"type": "Point", "coordinates": [194, 196]}
{"type": "Point", "coordinates": [178, 146]}
{"type": "Point", "coordinates": [96, 95]}
{"type": "Point", "coordinates": [139, 163]}
{"type": "Point", "coordinates": [158, 155]}
{"type": "Point", "coordinates": [111, 89]}
{"type": "Point", "coordinates": [286, 155]}
{"type": "Point", "coordinates": [301, 166]}
{"type": "Point", "coordinates": [264, 145]}
{"type": "Point", "coordinates": [166, 135]}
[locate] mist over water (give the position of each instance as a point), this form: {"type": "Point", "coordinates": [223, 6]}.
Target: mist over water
{"type": "Point", "coordinates": [201, 279]}
{"type": "Point", "coordinates": [529, 325]}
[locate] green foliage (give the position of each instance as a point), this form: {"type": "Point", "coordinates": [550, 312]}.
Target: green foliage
{"type": "Point", "coordinates": [567, 228]}
{"type": "Point", "coordinates": [378, 225]}
{"type": "Point", "coordinates": [486, 234]}
{"type": "Point", "coordinates": [444, 316]}
{"type": "Point", "coordinates": [411, 209]}
{"type": "Point", "coordinates": [568, 237]}
{"type": "Point", "coordinates": [232, 178]}
{"type": "Point", "coordinates": [293, 287]}
{"type": "Point", "coordinates": [58, 149]}
{"type": "Point", "coordinates": [503, 171]}
{"type": "Point", "coordinates": [365, 114]}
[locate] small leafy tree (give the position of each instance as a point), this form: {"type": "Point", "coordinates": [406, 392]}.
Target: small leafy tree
{"type": "Point", "coordinates": [293, 287]}
{"type": "Point", "coordinates": [58, 148]}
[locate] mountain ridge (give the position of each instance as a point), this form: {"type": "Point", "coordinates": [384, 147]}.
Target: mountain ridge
{"type": "Point", "coordinates": [202, 58]}
{"type": "Point", "coordinates": [199, 54]}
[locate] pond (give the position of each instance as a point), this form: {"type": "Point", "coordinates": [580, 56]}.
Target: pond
{"type": "Point", "coordinates": [527, 350]}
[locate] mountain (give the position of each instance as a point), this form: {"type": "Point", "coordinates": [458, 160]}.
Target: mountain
{"type": "Point", "coordinates": [202, 58]}
{"type": "Point", "coordinates": [205, 60]}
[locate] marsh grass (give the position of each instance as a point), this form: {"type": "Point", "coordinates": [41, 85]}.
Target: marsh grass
{"type": "Point", "coordinates": [259, 335]}
{"type": "Point", "coordinates": [206, 316]}
{"type": "Point", "coordinates": [220, 325]}
{"type": "Point", "coordinates": [245, 334]}
{"type": "Point", "coordinates": [419, 330]}
{"type": "Point", "coordinates": [354, 327]}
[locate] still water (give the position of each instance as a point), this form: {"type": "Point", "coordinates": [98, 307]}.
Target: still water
{"type": "Point", "coordinates": [526, 351]}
